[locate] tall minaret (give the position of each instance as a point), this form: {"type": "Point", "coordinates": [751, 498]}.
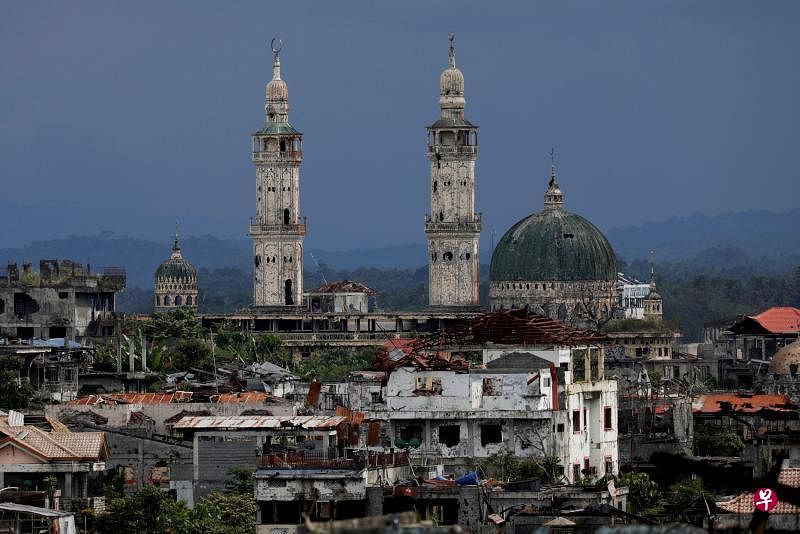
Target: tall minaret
{"type": "Point", "coordinates": [453, 227]}
{"type": "Point", "coordinates": [277, 230]}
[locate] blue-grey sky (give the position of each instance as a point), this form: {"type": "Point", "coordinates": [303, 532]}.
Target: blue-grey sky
{"type": "Point", "coordinates": [128, 116]}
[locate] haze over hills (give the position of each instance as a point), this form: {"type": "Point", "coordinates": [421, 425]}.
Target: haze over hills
{"type": "Point", "coordinates": [724, 242]}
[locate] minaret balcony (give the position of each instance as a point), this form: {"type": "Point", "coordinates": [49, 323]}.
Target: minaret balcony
{"type": "Point", "coordinates": [452, 150]}
{"type": "Point", "coordinates": [278, 229]}
{"type": "Point", "coordinates": [271, 155]}
{"type": "Point", "coordinates": [468, 225]}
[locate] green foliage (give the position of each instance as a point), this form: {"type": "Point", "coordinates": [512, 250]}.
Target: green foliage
{"type": "Point", "coordinates": [220, 513]}
{"type": "Point", "coordinates": [15, 392]}
{"type": "Point", "coordinates": [30, 279]}
{"type": "Point", "coordinates": [335, 364]}
{"type": "Point", "coordinates": [50, 487]}
{"type": "Point", "coordinates": [640, 325]}
{"type": "Point", "coordinates": [682, 494]}
{"type": "Point", "coordinates": [189, 353]}
{"type": "Point", "coordinates": [644, 495]}
{"type": "Point", "coordinates": [715, 441]}
{"type": "Point", "coordinates": [507, 467]}
{"type": "Point", "coordinates": [153, 510]}
{"type": "Point", "coordinates": [180, 323]}
{"type": "Point", "coordinates": [240, 481]}
{"type": "Point", "coordinates": [109, 484]}
{"type": "Point", "coordinates": [147, 510]}
{"type": "Point", "coordinates": [233, 343]}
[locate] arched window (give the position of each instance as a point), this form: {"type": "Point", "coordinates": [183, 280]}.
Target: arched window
{"type": "Point", "coordinates": [258, 260]}
{"type": "Point", "coordinates": [178, 300]}
{"type": "Point", "coordinates": [441, 215]}
{"type": "Point", "coordinates": [468, 255]}
{"type": "Point", "coordinates": [283, 145]}
{"type": "Point", "coordinates": [435, 186]}
{"type": "Point", "coordinates": [562, 313]}
{"type": "Point", "coordinates": [158, 300]}
{"type": "Point", "coordinates": [167, 301]}
{"type": "Point", "coordinates": [286, 216]}
{"type": "Point", "coordinates": [189, 300]}
{"type": "Point", "coordinates": [447, 256]}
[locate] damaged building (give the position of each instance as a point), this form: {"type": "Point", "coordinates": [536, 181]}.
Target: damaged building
{"type": "Point", "coordinates": [63, 299]}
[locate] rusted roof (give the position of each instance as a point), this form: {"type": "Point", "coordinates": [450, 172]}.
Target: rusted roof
{"type": "Point", "coordinates": [246, 397]}
{"type": "Point", "coordinates": [344, 286]}
{"type": "Point", "coordinates": [719, 402]}
{"type": "Point", "coordinates": [306, 422]}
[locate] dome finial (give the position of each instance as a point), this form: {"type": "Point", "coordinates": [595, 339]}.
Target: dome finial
{"type": "Point", "coordinates": [452, 59]}
{"type": "Point", "coordinates": [176, 248]}
{"type": "Point", "coordinates": [553, 197]}
{"type": "Point", "coordinates": [276, 57]}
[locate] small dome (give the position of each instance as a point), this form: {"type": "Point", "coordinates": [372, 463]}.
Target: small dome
{"type": "Point", "coordinates": [277, 90]}
{"type": "Point", "coordinates": [653, 295]}
{"type": "Point", "coordinates": [451, 82]}
{"type": "Point", "coordinates": [784, 359]}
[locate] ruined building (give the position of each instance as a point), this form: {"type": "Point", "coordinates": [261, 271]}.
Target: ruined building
{"type": "Point", "coordinates": [175, 282]}
{"type": "Point", "coordinates": [557, 263]}
{"type": "Point", "coordinates": [277, 231]}
{"type": "Point", "coordinates": [452, 228]}
{"type": "Point", "coordinates": [62, 300]}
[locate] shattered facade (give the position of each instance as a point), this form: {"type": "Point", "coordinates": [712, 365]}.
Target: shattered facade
{"type": "Point", "coordinates": [62, 300]}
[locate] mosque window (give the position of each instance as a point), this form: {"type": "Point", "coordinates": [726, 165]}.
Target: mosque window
{"type": "Point", "coordinates": [258, 260]}
{"type": "Point", "coordinates": [158, 300]}
{"type": "Point", "coordinates": [167, 300]}
{"type": "Point", "coordinates": [189, 300]}
{"type": "Point", "coordinates": [441, 215]}
{"type": "Point", "coordinates": [435, 186]}
{"type": "Point", "coordinates": [433, 257]}
{"type": "Point", "coordinates": [283, 145]}
{"type": "Point", "coordinates": [286, 216]}
{"type": "Point", "coordinates": [178, 300]}
{"type": "Point", "coordinates": [468, 255]}
{"type": "Point", "coordinates": [447, 256]}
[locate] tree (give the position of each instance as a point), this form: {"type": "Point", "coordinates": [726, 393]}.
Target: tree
{"type": "Point", "coordinates": [189, 353]}
{"type": "Point", "coordinates": [711, 441]}
{"type": "Point", "coordinates": [240, 481]}
{"type": "Point", "coordinates": [147, 510]}
{"type": "Point", "coordinates": [220, 513]}
{"type": "Point", "coordinates": [15, 392]}
{"type": "Point", "coordinates": [643, 493]}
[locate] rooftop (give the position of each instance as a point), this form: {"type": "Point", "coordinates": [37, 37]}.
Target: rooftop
{"type": "Point", "coordinates": [718, 402]}
{"type": "Point", "coordinates": [221, 422]}
{"type": "Point", "coordinates": [246, 397]}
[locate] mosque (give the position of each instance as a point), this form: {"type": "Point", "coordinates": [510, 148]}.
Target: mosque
{"type": "Point", "coordinates": [554, 262]}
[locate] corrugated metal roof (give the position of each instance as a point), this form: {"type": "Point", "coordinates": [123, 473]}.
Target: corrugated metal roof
{"type": "Point", "coordinates": [247, 397]}
{"type": "Point", "coordinates": [742, 403]}
{"type": "Point", "coordinates": [308, 422]}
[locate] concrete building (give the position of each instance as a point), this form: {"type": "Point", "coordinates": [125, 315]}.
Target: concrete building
{"type": "Point", "coordinates": [631, 293]}
{"type": "Point", "coordinates": [175, 282]}
{"type": "Point", "coordinates": [556, 263]}
{"type": "Point", "coordinates": [62, 300]}
{"type": "Point", "coordinates": [452, 227]}
{"type": "Point", "coordinates": [340, 297]}
{"type": "Point", "coordinates": [277, 230]}
{"type": "Point", "coordinates": [525, 400]}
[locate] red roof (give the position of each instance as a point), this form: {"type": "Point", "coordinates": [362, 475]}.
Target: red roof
{"type": "Point", "coordinates": [742, 403]}
{"type": "Point", "coordinates": [780, 320]}
{"type": "Point", "coordinates": [245, 397]}
{"type": "Point", "coordinates": [743, 503]}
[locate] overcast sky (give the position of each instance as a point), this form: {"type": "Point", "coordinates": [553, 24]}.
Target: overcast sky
{"type": "Point", "coordinates": [128, 116]}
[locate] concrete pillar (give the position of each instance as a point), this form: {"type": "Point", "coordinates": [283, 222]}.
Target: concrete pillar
{"type": "Point", "coordinates": [131, 351]}
{"type": "Point", "coordinates": [67, 486]}
{"type": "Point", "coordinates": [587, 365]}
{"type": "Point", "coordinates": [427, 437]}
{"type": "Point", "coordinates": [601, 363]}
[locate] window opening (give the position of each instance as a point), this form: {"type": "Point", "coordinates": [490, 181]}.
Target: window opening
{"type": "Point", "coordinates": [491, 434]}
{"type": "Point", "coordinates": [450, 435]}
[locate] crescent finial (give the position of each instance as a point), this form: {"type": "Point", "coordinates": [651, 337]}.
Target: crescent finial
{"type": "Point", "coordinates": [276, 49]}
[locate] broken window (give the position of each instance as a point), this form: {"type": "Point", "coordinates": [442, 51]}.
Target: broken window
{"type": "Point", "coordinates": [2, 306]}
{"type": "Point", "coordinates": [24, 305]}
{"type": "Point", "coordinates": [576, 420]}
{"type": "Point", "coordinates": [63, 294]}
{"type": "Point", "coordinates": [408, 436]}
{"type": "Point", "coordinates": [492, 387]}
{"type": "Point", "coordinates": [287, 290]}
{"type": "Point", "coordinates": [450, 435]}
{"type": "Point", "coordinates": [491, 434]}
{"type": "Point", "coordinates": [607, 423]}
{"type": "Point", "coordinates": [609, 466]}
{"type": "Point", "coordinates": [560, 427]}
{"type": "Point", "coordinates": [428, 385]}
{"type": "Point", "coordinates": [58, 331]}
{"type": "Point", "coordinates": [375, 396]}
{"type": "Point", "coordinates": [576, 472]}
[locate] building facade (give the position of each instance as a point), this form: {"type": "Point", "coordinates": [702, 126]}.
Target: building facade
{"type": "Point", "coordinates": [277, 230]}
{"type": "Point", "coordinates": [175, 282]}
{"type": "Point", "coordinates": [452, 227]}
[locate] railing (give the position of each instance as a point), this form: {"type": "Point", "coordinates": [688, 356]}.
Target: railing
{"type": "Point", "coordinates": [473, 225]}
{"type": "Point", "coordinates": [305, 460]}
{"type": "Point", "coordinates": [288, 155]}
{"type": "Point", "coordinates": [334, 336]}
{"type": "Point", "coordinates": [278, 228]}
{"type": "Point", "coordinates": [457, 150]}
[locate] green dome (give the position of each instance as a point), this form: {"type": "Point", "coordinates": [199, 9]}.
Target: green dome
{"type": "Point", "coordinates": [176, 267]}
{"type": "Point", "coordinates": [553, 244]}
{"type": "Point", "coordinates": [652, 295]}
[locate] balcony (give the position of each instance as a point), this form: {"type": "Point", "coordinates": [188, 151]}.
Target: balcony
{"type": "Point", "coordinates": [453, 150]}
{"type": "Point", "coordinates": [288, 229]}
{"type": "Point", "coordinates": [287, 155]}
{"type": "Point", "coordinates": [469, 226]}
{"type": "Point", "coordinates": [308, 460]}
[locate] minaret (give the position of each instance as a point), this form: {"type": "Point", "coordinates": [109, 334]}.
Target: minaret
{"type": "Point", "coordinates": [277, 230]}
{"type": "Point", "coordinates": [452, 228]}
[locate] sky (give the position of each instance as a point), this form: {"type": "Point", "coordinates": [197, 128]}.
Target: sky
{"type": "Point", "coordinates": [130, 116]}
